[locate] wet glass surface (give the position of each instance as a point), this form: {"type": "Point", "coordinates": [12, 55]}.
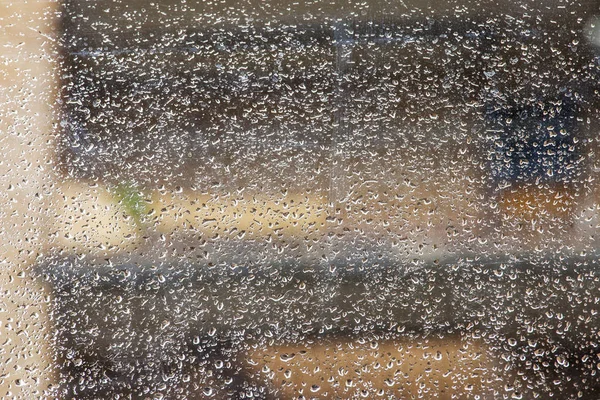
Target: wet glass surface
{"type": "Point", "coordinates": [365, 199]}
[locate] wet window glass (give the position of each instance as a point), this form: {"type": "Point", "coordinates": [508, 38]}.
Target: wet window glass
{"type": "Point", "coordinates": [298, 200]}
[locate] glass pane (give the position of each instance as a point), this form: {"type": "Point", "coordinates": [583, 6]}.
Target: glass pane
{"type": "Point", "coordinates": [364, 199]}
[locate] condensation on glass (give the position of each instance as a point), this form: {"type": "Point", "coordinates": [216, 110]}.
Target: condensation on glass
{"type": "Point", "coordinates": [277, 200]}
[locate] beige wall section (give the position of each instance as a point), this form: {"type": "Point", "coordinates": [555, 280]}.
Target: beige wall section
{"type": "Point", "coordinates": [27, 91]}
{"type": "Point", "coordinates": [90, 222]}
{"type": "Point", "coordinates": [447, 368]}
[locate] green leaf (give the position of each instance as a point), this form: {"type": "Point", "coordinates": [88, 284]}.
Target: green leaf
{"type": "Point", "coordinates": [132, 199]}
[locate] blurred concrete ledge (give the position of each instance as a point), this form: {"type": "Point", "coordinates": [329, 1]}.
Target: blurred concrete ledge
{"type": "Point", "coordinates": [109, 317]}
